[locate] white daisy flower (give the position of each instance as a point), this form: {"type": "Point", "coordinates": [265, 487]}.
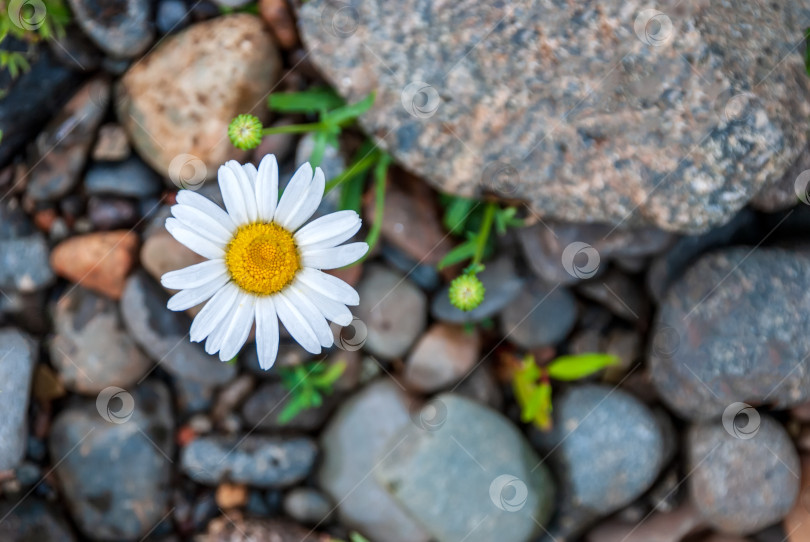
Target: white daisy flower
{"type": "Point", "coordinates": [263, 263]}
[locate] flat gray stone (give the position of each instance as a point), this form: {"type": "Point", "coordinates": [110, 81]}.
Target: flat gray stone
{"type": "Point", "coordinates": [470, 476]}
{"type": "Point", "coordinates": [254, 460]}
{"type": "Point", "coordinates": [18, 356]}
{"type": "Point", "coordinates": [113, 461]}
{"type": "Point", "coordinates": [607, 111]}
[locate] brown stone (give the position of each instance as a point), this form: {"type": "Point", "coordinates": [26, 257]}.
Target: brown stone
{"type": "Point", "coordinates": [231, 495]}
{"type": "Point", "coordinates": [97, 261]}
{"type": "Point", "coordinates": [797, 522]}
{"type": "Point", "coordinates": [441, 357]}
{"type": "Point", "coordinates": [176, 103]}
{"type": "Point", "coordinates": [112, 143]}
{"type": "Point", "coordinates": [613, 112]}
{"type": "Point", "coordinates": [276, 13]}
{"type": "Point", "coordinates": [411, 220]}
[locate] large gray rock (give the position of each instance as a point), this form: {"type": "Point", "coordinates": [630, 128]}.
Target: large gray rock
{"type": "Point", "coordinates": [17, 359]}
{"type": "Point", "coordinates": [353, 443]}
{"type": "Point", "coordinates": [113, 461]}
{"type": "Point", "coordinates": [742, 481]}
{"type": "Point", "coordinates": [470, 476]}
{"type": "Point", "coordinates": [608, 448]}
{"type": "Point", "coordinates": [604, 110]}
{"type": "Point", "coordinates": [734, 328]}
{"type": "Point", "coordinates": [91, 349]}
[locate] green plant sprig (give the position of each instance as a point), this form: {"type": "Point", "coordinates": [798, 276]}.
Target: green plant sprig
{"type": "Point", "coordinates": [532, 384]}
{"type": "Point", "coordinates": [246, 132]}
{"type": "Point", "coordinates": [307, 384]}
{"type": "Point", "coordinates": [474, 220]}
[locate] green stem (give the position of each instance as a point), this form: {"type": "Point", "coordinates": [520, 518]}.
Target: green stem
{"type": "Point", "coordinates": [483, 233]}
{"type": "Point", "coordinates": [293, 128]}
{"type": "Point", "coordinates": [357, 168]}
{"type": "Point", "coordinates": [380, 177]}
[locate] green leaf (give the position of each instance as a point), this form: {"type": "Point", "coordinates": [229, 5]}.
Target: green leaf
{"type": "Point", "coordinates": [457, 213]}
{"type": "Point", "coordinates": [542, 416]}
{"type": "Point", "coordinates": [354, 536]}
{"type": "Point", "coordinates": [351, 194]}
{"type": "Point", "coordinates": [579, 366]}
{"type": "Point", "coordinates": [296, 404]}
{"type": "Point", "coordinates": [347, 113]}
{"type": "Point", "coordinates": [318, 149]}
{"type": "Point", "coordinates": [328, 376]}
{"type": "Point", "coordinates": [460, 253]}
{"type": "Point", "coordinates": [315, 100]}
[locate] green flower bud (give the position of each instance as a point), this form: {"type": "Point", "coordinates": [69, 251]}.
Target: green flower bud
{"type": "Point", "coordinates": [245, 132]}
{"type": "Point", "coordinates": [466, 292]}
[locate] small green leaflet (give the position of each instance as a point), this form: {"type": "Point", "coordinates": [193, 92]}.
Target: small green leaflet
{"type": "Point", "coordinates": [578, 366]}
{"type": "Point", "coordinates": [314, 100]}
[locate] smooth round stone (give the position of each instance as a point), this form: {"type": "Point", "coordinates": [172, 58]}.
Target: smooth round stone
{"type": "Point", "coordinates": [24, 263]}
{"type": "Point", "coordinates": [254, 460]}
{"type": "Point", "coordinates": [110, 213]}
{"type": "Point", "coordinates": [502, 287]}
{"type": "Point", "coordinates": [734, 328]}
{"type": "Point", "coordinates": [130, 178]}
{"type": "Point", "coordinates": [393, 310]}
{"type": "Point", "coordinates": [441, 357]}
{"type": "Point", "coordinates": [91, 350]}
{"type": "Point", "coordinates": [540, 316]}
{"type": "Point", "coordinates": [18, 353]}
{"type": "Point", "coordinates": [608, 448]}
{"type": "Point", "coordinates": [504, 490]}
{"type": "Point", "coordinates": [742, 482]}
{"type": "Point", "coordinates": [172, 16]}
{"type": "Point", "coordinates": [307, 505]}
{"type": "Point", "coordinates": [115, 458]}
{"type": "Point", "coordinates": [121, 29]}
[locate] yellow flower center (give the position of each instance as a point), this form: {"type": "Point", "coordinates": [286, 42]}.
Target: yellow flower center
{"type": "Point", "coordinates": [262, 258]}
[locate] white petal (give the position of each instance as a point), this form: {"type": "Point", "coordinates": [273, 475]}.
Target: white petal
{"type": "Point", "coordinates": [213, 312]}
{"type": "Point", "coordinates": [194, 275]}
{"type": "Point", "coordinates": [214, 341]}
{"type": "Point", "coordinates": [328, 231]}
{"type": "Point", "coordinates": [331, 258]}
{"type": "Point", "coordinates": [296, 324]}
{"type": "Point", "coordinates": [267, 188]}
{"type": "Point", "coordinates": [202, 223]}
{"type": "Point", "coordinates": [329, 285]}
{"type": "Point", "coordinates": [331, 309]}
{"type": "Point", "coordinates": [246, 187]}
{"type": "Point", "coordinates": [191, 297]}
{"type": "Point", "coordinates": [195, 242]}
{"type": "Point", "coordinates": [251, 172]}
{"type": "Point", "coordinates": [309, 311]}
{"type": "Point", "coordinates": [230, 186]}
{"type": "Point", "coordinates": [201, 203]}
{"type": "Point", "coordinates": [238, 328]}
{"type": "Point", "coordinates": [266, 332]}
{"type": "Point", "coordinates": [293, 195]}
{"type": "Point", "coordinates": [308, 204]}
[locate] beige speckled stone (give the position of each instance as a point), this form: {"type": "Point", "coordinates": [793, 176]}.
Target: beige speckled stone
{"type": "Point", "coordinates": [180, 98]}
{"type": "Point", "coordinates": [591, 111]}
